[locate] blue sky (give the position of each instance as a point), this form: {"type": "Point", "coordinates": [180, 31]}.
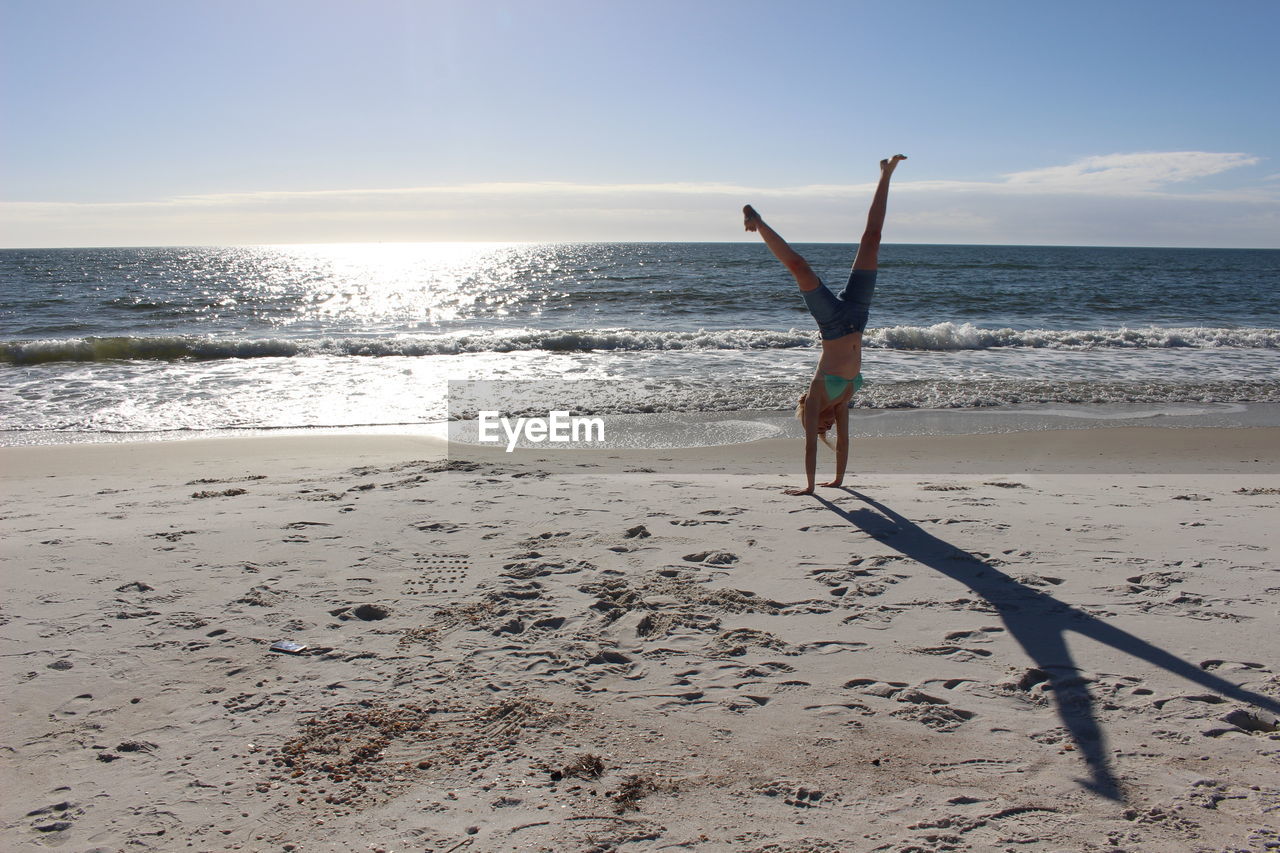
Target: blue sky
{"type": "Point", "coordinates": [156, 122]}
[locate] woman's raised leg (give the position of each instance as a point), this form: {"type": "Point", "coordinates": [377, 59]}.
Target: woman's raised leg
{"type": "Point", "coordinates": [791, 259]}
{"type": "Point", "coordinates": [869, 245]}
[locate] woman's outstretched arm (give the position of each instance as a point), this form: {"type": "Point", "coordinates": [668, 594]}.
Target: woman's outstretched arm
{"type": "Point", "coordinates": [842, 442]}
{"type": "Point", "coordinates": [812, 409]}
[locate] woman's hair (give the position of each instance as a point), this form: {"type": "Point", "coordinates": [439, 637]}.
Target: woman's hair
{"type": "Point", "coordinates": [822, 434]}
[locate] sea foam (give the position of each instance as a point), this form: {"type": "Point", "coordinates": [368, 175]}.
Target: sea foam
{"type": "Point", "coordinates": [942, 337]}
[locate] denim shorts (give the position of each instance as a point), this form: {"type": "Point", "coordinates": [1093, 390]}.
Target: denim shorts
{"type": "Point", "coordinates": [845, 314]}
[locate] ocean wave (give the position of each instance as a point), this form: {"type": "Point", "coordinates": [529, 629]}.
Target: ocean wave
{"type": "Point", "coordinates": [966, 336]}
{"type": "Point", "coordinates": [942, 337]}
{"type": "Point", "coordinates": [203, 348]}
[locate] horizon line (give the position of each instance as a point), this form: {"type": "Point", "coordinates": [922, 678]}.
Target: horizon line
{"type": "Point", "coordinates": [623, 243]}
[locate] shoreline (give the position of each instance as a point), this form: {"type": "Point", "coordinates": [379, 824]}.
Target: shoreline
{"type": "Point", "coordinates": [1096, 449]}
{"type": "Point", "coordinates": [674, 430]}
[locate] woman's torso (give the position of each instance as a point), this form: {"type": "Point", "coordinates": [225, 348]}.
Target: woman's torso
{"type": "Point", "coordinates": [842, 356]}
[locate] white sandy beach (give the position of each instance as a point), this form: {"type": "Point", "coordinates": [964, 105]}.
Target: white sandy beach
{"type": "Point", "coordinates": [1056, 641]}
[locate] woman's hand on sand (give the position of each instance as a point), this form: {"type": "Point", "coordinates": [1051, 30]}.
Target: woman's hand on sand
{"type": "Point", "coordinates": [805, 491]}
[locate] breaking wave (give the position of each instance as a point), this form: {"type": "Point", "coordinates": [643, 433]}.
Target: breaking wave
{"type": "Point", "coordinates": [943, 337]}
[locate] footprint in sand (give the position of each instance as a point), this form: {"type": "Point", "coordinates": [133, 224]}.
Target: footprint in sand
{"type": "Point", "coordinates": [877, 618]}
{"type": "Point", "coordinates": [845, 586]}
{"type": "Point", "coordinates": [846, 711]}
{"type": "Point", "coordinates": [1239, 546]}
{"type": "Point", "coordinates": [976, 768]}
{"type": "Point", "coordinates": [737, 642]}
{"type": "Point", "coordinates": [790, 686]}
{"type": "Point", "coordinates": [172, 536]}
{"type": "Point", "coordinates": [712, 558]}
{"type": "Point", "coordinates": [797, 795]}
{"type": "Point", "coordinates": [525, 569]}
{"type": "Point", "coordinates": [931, 711]}
{"type": "Point", "coordinates": [955, 653]}
{"type": "Point", "coordinates": [136, 614]}
{"type": "Point", "coordinates": [1037, 580]}
{"type": "Point", "coordinates": [527, 591]}
{"type": "Point", "coordinates": [679, 700]}
{"type": "Point", "coordinates": [58, 817]}
{"type": "Point", "coordinates": [978, 635]}
{"type": "Point", "coordinates": [829, 647]}
{"type": "Point", "coordinates": [435, 527]}
{"type": "Point", "coordinates": [811, 606]}
{"type": "Point", "coordinates": [259, 596]}
{"type": "Point", "coordinates": [1248, 721]}
{"type": "Point", "coordinates": [876, 562]}
{"type": "Point", "coordinates": [952, 683]}
{"type": "Point", "coordinates": [1231, 666]}
{"type": "Point", "coordinates": [1031, 684]}
{"type": "Point", "coordinates": [187, 621]}
{"type": "Point", "coordinates": [74, 706]}
{"type": "Point", "coordinates": [608, 656]}
{"type": "Point", "coordinates": [741, 704]}
{"type": "Point", "coordinates": [362, 612]}
{"type": "Point", "coordinates": [303, 525]}
{"type": "Point", "coordinates": [872, 687]}
{"type": "Point", "coordinates": [710, 516]}
{"type": "Point", "coordinates": [659, 625]}
{"type": "Point", "coordinates": [1153, 581]}
{"type": "Point", "coordinates": [318, 495]}
{"type": "Point", "coordinates": [778, 666]}
{"type": "Point", "coordinates": [225, 493]}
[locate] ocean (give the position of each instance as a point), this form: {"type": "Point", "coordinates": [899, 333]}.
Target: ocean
{"type": "Point", "coordinates": [140, 343]}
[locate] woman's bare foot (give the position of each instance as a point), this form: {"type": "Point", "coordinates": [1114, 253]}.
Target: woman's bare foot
{"type": "Point", "coordinates": [887, 166]}
{"type": "Point", "coordinates": [750, 219]}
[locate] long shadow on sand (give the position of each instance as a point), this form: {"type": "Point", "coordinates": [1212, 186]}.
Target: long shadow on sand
{"type": "Point", "coordinates": [1039, 622]}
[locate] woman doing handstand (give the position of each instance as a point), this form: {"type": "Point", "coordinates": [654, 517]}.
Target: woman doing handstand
{"type": "Point", "coordinates": [841, 321]}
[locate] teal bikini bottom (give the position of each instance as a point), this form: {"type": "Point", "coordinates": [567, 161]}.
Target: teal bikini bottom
{"type": "Point", "coordinates": [837, 385]}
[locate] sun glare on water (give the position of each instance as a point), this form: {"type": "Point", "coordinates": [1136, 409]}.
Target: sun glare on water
{"type": "Point", "coordinates": [405, 287]}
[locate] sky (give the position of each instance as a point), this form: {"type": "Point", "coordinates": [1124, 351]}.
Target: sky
{"type": "Point", "coordinates": [177, 122]}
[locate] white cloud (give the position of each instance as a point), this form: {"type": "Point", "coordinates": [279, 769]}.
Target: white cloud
{"type": "Point", "coordinates": [1129, 173]}
{"type": "Point", "coordinates": [1131, 199]}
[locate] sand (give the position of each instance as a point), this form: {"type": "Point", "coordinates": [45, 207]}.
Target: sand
{"type": "Point", "coordinates": [1059, 641]}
